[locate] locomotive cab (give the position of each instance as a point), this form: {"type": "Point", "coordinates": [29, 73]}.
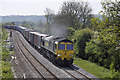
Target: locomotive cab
{"type": "Point", "coordinates": [59, 49]}
{"type": "Point", "coordinates": [65, 52]}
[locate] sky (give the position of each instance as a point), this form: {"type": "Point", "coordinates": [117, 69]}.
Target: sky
{"type": "Point", "coordinates": [37, 7]}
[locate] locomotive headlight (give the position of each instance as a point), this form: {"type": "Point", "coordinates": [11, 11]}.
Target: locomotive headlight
{"type": "Point", "coordinates": [71, 55]}
{"type": "Point", "coordinates": [59, 54]}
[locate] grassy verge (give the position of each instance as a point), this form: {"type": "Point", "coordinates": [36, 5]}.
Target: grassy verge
{"type": "Point", "coordinates": [93, 68]}
{"type": "Point", "coordinates": [0, 53]}
{"type": "Point", "coordinates": [6, 66]}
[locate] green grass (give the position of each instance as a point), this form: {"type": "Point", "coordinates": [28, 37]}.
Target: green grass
{"type": "Point", "coordinates": [6, 70]}
{"type": "Point", "coordinates": [0, 54]}
{"type": "Point", "coordinates": [93, 68]}
{"type": "Point", "coordinates": [6, 66]}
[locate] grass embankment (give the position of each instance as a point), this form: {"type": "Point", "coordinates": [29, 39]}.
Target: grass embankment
{"type": "Point", "coordinates": [6, 66]}
{"type": "Point", "coordinates": [93, 68]}
{"type": "Point", "coordinates": [0, 53]}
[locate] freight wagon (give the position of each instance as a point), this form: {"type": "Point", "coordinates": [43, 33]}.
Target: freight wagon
{"type": "Point", "coordinates": [37, 39]}
{"type": "Point", "coordinates": [57, 49]}
{"type": "Point", "coordinates": [22, 30]}
{"type": "Point", "coordinates": [27, 32]}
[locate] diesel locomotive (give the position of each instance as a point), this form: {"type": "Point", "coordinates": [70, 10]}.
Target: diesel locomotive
{"type": "Point", "coordinates": [58, 49]}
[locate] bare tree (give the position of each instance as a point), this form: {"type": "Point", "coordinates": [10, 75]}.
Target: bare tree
{"type": "Point", "coordinates": [85, 13]}
{"type": "Point", "coordinates": [74, 14]}
{"type": "Point", "coordinates": [49, 14]}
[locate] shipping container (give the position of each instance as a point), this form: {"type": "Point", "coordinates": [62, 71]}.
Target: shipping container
{"type": "Point", "coordinates": [12, 26]}
{"type": "Point", "coordinates": [37, 39]}
{"type": "Point", "coordinates": [22, 30]}
{"type": "Point", "coordinates": [31, 37]}
{"type": "Point", "coordinates": [9, 26]}
{"type": "Point", "coordinates": [6, 26]}
{"type": "Point", "coordinates": [16, 27]}
{"type": "Point", "coordinates": [27, 31]}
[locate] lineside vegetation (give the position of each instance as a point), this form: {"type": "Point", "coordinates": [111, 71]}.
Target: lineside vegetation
{"type": "Point", "coordinates": [5, 61]}
{"type": "Point", "coordinates": [101, 45]}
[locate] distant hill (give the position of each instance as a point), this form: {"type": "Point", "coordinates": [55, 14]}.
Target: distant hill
{"type": "Point", "coordinates": [98, 15]}
{"type": "Point", "coordinates": [17, 18]}
{"type": "Point", "coordinates": [0, 19]}
{"type": "Point", "coordinates": [30, 18]}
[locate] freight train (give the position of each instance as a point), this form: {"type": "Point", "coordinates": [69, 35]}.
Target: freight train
{"type": "Point", "coordinates": [57, 49]}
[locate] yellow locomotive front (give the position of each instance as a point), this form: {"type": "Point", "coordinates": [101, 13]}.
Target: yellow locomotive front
{"type": "Point", "coordinates": [64, 52]}
{"type": "Point", "coordinates": [59, 50]}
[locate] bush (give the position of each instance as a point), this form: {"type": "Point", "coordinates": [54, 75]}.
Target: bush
{"type": "Point", "coordinates": [6, 67]}
{"type": "Point", "coordinates": [70, 32]}
{"type": "Point", "coordinates": [6, 76]}
{"type": "Point", "coordinates": [6, 70]}
{"type": "Point", "coordinates": [5, 54]}
{"type": "Point", "coordinates": [81, 37]}
{"type": "Point", "coordinates": [103, 54]}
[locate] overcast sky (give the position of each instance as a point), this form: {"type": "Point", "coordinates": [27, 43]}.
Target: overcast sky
{"type": "Point", "coordinates": [37, 7]}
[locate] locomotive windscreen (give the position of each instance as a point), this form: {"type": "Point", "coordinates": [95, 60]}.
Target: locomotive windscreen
{"type": "Point", "coordinates": [69, 46]}
{"type": "Point", "coordinates": [61, 46]}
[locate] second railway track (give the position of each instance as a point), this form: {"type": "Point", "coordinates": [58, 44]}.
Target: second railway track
{"type": "Point", "coordinates": [74, 73]}
{"type": "Point", "coordinates": [40, 69]}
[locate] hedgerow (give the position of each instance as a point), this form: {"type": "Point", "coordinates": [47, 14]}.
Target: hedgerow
{"type": "Point", "coordinates": [6, 66]}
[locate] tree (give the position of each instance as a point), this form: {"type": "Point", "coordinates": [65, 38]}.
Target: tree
{"type": "Point", "coordinates": [74, 14]}
{"type": "Point", "coordinates": [85, 14]}
{"type": "Point", "coordinates": [106, 43]}
{"type": "Point", "coordinates": [40, 24]}
{"type": "Point", "coordinates": [81, 37]}
{"type": "Point", "coordinates": [112, 10]}
{"type": "Point", "coordinates": [110, 34]}
{"type": "Point", "coordinates": [49, 14]}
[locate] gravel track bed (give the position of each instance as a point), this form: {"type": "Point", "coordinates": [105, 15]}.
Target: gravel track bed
{"type": "Point", "coordinates": [73, 73]}
{"type": "Point", "coordinates": [22, 68]}
{"type": "Point", "coordinates": [41, 69]}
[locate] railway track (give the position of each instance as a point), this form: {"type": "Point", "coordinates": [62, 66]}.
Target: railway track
{"type": "Point", "coordinates": [41, 70]}
{"type": "Point", "coordinates": [25, 69]}
{"type": "Point", "coordinates": [83, 76]}
{"type": "Point", "coordinates": [77, 74]}
{"type": "Point", "coordinates": [74, 73]}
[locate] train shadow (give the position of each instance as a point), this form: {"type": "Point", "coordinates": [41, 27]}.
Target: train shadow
{"type": "Point", "coordinates": [70, 67]}
{"type": "Point", "coordinates": [74, 67]}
